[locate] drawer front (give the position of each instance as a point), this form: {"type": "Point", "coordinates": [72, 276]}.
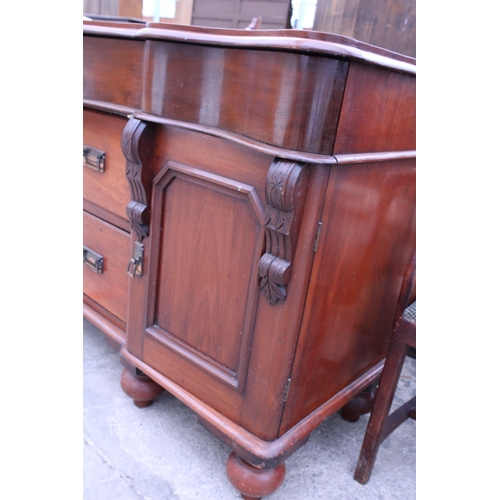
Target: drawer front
{"type": "Point", "coordinates": [112, 70]}
{"type": "Point", "coordinates": [106, 254]}
{"type": "Point", "coordinates": [105, 187]}
{"type": "Point", "coordinates": [286, 99]}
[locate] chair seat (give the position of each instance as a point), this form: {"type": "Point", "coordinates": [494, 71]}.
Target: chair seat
{"type": "Point", "coordinates": [410, 313]}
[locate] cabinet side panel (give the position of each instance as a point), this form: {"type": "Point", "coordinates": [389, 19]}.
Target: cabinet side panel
{"type": "Point", "coordinates": [367, 240]}
{"type": "Point", "coordinates": [379, 111]}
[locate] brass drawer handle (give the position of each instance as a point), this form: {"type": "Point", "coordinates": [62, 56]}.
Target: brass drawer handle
{"type": "Point", "coordinates": [94, 158]}
{"type": "Point", "coordinates": [93, 260]}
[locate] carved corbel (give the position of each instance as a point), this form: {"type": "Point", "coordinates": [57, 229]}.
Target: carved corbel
{"type": "Point", "coordinates": [137, 209]}
{"type": "Point", "coordinates": [286, 186]}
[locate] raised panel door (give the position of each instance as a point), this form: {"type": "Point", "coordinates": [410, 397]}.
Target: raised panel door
{"type": "Point", "coordinates": [206, 241]}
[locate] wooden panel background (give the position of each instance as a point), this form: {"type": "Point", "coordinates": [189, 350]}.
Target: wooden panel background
{"type": "Point", "coordinates": [390, 24]}
{"type": "Point", "coordinates": [239, 13]}
{"type": "Point", "coordinates": [124, 8]}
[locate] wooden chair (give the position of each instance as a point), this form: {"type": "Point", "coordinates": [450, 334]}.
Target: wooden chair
{"type": "Point", "coordinates": [403, 342]}
{"type": "Point", "coordinates": [254, 23]}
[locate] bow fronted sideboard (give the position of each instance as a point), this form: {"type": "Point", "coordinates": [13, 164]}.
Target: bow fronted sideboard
{"type": "Point", "coordinates": [249, 213]}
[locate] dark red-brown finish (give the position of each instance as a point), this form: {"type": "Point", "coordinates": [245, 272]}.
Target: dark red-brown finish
{"type": "Point", "coordinates": [268, 96]}
{"type": "Point", "coordinates": [140, 388]}
{"type": "Point", "coordinates": [359, 405]}
{"type": "Point", "coordinates": [253, 483]}
{"type": "Point", "coordinates": [379, 112]}
{"type": "Point", "coordinates": [106, 194]}
{"type": "Point", "coordinates": [355, 281]}
{"type": "Point", "coordinates": [109, 288]}
{"type": "Point", "coordinates": [271, 181]}
{"type": "Point", "coordinates": [381, 423]}
{"type": "Point", "coordinates": [113, 60]}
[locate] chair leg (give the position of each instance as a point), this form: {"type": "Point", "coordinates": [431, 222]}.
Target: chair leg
{"type": "Point", "coordinates": [385, 394]}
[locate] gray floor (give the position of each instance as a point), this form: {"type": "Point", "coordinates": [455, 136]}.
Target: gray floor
{"type": "Point", "coordinates": [162, 453]}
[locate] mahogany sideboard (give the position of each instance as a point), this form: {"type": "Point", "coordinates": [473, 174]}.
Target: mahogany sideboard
{"type": "Point", "coordinates": [249, 213]}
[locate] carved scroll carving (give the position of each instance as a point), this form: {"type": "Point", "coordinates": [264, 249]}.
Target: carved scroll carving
{"type": "Point", "coordinates": [286, 186]}
{"type": "Point", "coordinates": [137, 208]}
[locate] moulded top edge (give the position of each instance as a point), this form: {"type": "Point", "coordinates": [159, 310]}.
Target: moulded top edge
{"type": "Point", "coordinates": [307, 41]}
{"type": "Point", "coordinates": [303, 41]}
{"type": "Point", "coordinates": [111, 29]}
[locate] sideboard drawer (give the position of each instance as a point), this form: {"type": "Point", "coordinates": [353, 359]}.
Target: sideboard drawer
{"type": "Point", "coordinates": [106, 254]}
{"type": "Point", "coordinates": [105, 187]}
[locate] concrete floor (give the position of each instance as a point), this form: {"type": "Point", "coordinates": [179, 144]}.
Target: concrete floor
{"type": "Point", "coordinates": [162, 453]}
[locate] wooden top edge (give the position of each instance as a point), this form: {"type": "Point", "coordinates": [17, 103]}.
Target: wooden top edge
{"type": "Point", "coordinates": [262, 147]}
{"type": "Point", "coordinates": [303, 41]}
{"type": "Point", "coordinates": [349, 159]}
{"type": "Point", "coordinates": [114, 19]}
{"type": "Point", "coordinates": [287, 154]}
{"type": "Point", "coordinates": [111, 29]}
{"type": "Point", "coordinates": [325, 44]}
{"type": "Point", "coordinates": [284, 33]}
{"type": "Point", "coordinates": [108, 107]}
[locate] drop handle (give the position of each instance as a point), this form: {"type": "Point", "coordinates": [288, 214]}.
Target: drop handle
{"type": "Point", "coordinates": [134, 267]}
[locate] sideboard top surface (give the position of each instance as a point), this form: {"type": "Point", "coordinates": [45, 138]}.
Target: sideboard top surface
{"type": "Point", "coordinates": [305, 41]}
{"type": "Point", "coordinates": [281, 89]}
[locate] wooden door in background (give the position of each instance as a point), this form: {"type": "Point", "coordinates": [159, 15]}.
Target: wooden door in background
{"type": "Point", "coordinates": [121, 8]}
{"type": "Point", "coordinates": [390, 24]}
{"type": "Point", "coordinates": [275, 14]}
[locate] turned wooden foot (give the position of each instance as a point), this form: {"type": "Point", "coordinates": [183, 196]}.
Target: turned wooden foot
{"type": "Point", "coordinates": [360, 404]}
{"type": "Point", "coordinates": [251, 482]}
{"type": "Point", "coordinates": [140, 388]}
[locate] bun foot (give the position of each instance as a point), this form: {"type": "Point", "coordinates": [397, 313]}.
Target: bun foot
{"type": "Point", "coordinates": [360, 404]}
{"type": "Point", "coordinates": [140, 388]}
{"type": "Point", "coordinates": [251, 482]}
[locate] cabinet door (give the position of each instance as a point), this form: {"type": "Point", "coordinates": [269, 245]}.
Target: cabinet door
{"type": "Point", "coordinates": [206, 241]}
